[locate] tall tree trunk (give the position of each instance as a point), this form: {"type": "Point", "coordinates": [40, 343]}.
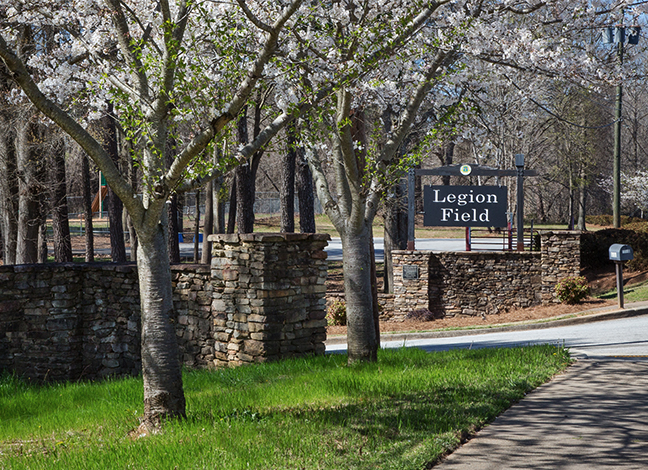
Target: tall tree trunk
{"type": "Point", "coordinates": [361, 328]}
{"type": "Point", "coordinates": [244, 183]}
{"type": "Point", "coordinates": [305, 194]}
{"type": "Point", "coordinates": [448, 160]}
{"type": "Point", "coordinates": [8, 193]}
{"type": "Point", "coordinates": [231, 216]}
{"type": "Point", "coordinates": [395, 222]}
{"type": "Point", "coordinates": [162, 374]}
{"type": "Point", "coordinates": [60, 221]}
{"type": "Point", "coordinates": [196, 256]}
{"type": "Point", "coordinates": [582, 198]}
{"type": "Point", "coordinates": [42, 241]}
{"type": "Point", "coordinates": [115, 206]}
{"type": "Point", "coordinates": [29, 194]}
{"type": "Point", "coordinates": [219, 207]}
{"type": "Point", "coordinates": [132, 234]}
{"type": "Point", "coordinates": [87, 209]}
{"type": "Point", "coordinates": [208, 223]}
{"type": "Point", "coordinates": [174, 240]}
{"type": "Point", "coordinates": [374, 288]}
{"type": "Point", "coordinates": [287, 183]}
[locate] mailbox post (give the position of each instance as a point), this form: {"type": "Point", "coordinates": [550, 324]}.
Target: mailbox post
{"type": "Point", "coordinates": [620, 253]}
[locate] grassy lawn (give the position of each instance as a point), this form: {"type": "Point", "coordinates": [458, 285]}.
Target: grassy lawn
{"type": "Point", "coordinates": [402, 413]}
{"type": "Point", "coordinates": [634, 293]}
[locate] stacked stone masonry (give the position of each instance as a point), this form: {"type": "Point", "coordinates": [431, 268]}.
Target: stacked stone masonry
{"type": "Point", "coordinates": [482, 283]}
{"type": "Point", "coordinates": [269, 300]}
{"type": "Point", "coordinates": [81, 321]}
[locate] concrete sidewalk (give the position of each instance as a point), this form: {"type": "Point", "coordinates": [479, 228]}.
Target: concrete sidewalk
{"type": "Point", "coordinates": [594, 416]}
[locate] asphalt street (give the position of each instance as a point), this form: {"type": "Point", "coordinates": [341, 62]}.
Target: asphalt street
{"type": "Point", "coordinates": [334, 248]}
{"type": "Point", "coordinates": [620, 338]}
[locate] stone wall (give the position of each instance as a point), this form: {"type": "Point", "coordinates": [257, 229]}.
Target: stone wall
{"type": "Point", "coordinates": [561, 257]}
{"type": "Point", "coordinates": [81, 321]}
{"type": "Point", "coordinates": [270, 296]}
{"type": "Point", "coordinates": [482, 283]}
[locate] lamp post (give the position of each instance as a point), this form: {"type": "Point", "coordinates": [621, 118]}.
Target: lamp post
{"type": "Point", "coordinates": [617, 35]}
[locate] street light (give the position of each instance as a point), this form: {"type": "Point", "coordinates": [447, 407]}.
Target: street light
{"type": "Point", "coordinates": [617, 35]}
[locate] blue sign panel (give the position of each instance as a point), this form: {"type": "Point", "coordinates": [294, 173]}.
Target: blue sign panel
{"type": "Point", "coordinates": [465, 206]}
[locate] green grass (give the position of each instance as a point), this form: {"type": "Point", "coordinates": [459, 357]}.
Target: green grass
{"type": "Point", "coordinates": [402, 413]}
{"type": "Point", "coordinates": [634, 293]}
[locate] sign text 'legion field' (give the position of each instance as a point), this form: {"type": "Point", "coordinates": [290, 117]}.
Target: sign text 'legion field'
{"type": "Point", "coordinates": [465, 206]}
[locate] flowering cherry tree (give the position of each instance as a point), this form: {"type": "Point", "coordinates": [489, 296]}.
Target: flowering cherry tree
{"type": "Point", "coordinates": [163, 65]}
{"type": "Point", "coordinates": [443, 40]}
{"type": "Point", "coordinates": [183, 70]}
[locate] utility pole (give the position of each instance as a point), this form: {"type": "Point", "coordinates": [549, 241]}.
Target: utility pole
{"type": "Point", "coordinates": [617, 35]}
{"type": "Point", "coordinates": [616, 170]}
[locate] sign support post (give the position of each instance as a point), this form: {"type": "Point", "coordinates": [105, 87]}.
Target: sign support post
{"type": "Point", "coordinates": [519, 164]}
{"type": "Point", "coordinates": [411, 209]}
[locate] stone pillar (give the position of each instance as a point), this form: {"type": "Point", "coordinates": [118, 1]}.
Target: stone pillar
{"type": "Point", "coordinates": [560, 251]}
{"type": "Point", "coordinates": [410, 281]}
{"type": "Point", "coordinates": [269, 297]}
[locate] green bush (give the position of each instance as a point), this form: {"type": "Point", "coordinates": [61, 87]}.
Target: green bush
{"type": "Point", "coordinates": [336, 313]}
{"type": "Point", "coordinates": [572, 290]}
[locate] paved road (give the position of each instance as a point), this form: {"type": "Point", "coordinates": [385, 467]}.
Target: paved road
{"type": "Point", "coordinates": [334, 248]}
{"type": "Point", "coordinates": [623, 337]}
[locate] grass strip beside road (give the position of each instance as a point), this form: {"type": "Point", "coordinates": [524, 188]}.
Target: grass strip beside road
{"type": "Point", "coordinates": [403, 412]}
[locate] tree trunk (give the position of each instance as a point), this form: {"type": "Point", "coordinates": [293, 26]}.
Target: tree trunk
{"type": "Point", "coordinates": [162, 374]}
{"type": "Point", "coordinates": [87, 209]}
{"type": "Point", "coordinates": [231, 216]}
{"type": "Point", "coordinates": [287, 183]}
{"type": "Point", "coordinates": [305, 194]}
{"type": "Point", "coordinates": [219, 207]}
{"type": "Point", "coordinates": [60, 221]}
{"type": "Point", "coordinates": [29, 195]}
{"type": "Point", "coordinates": [115, 206]}
{"type": "Point", "coordinates": [244, 183]}
{"type": "Point", "coordinates": [42, 241]}
{"type": "Point", "coordinates": [395, 221]}
{"type": "Point", "coordinates": [208, 224]}
{"type": "Point", "coordinates": [582, 199]}
{"type": "Point", "coordinates": [361, 328]}
{"type": "Point", "coordinates": [132, 234]}
{"type": "Point", "coordinates": [196, 256]}
{"type": "Point", "coordinates": [448, 160]}
{"type": "Point", "coordinates": [174, 241]}
{"type": "Point", "coordinates": [374, 289]}
{"type": "Point", "coordinates": [9, 194]}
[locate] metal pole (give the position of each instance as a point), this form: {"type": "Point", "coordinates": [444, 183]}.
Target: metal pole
{"type": "Point", "coordinates": [619, 280]}
{"type": "Point", "coordinates": [411, 209]}
{"type": "Point", "coordinates": [616, 171]}
{"type": "Point", "coordinates": [519, 163]}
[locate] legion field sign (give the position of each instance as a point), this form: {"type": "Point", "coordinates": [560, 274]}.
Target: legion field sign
{"type": "Point", "coordinates": [465, 206]}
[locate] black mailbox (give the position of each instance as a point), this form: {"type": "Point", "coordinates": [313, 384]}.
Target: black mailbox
{"type": "Point", "coordinates": [619, 252]}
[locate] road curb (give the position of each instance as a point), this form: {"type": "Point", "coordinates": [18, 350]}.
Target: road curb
{"type": "Point", "coordinates": [522, 326]}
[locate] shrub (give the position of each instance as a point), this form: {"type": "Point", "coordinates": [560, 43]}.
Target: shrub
{"type": "Point", "coordinates": [572, 290]}
{"type": "Point", "coordinates": [420, 314]}
{"type": "Point", "coordinates": [336, 313]}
